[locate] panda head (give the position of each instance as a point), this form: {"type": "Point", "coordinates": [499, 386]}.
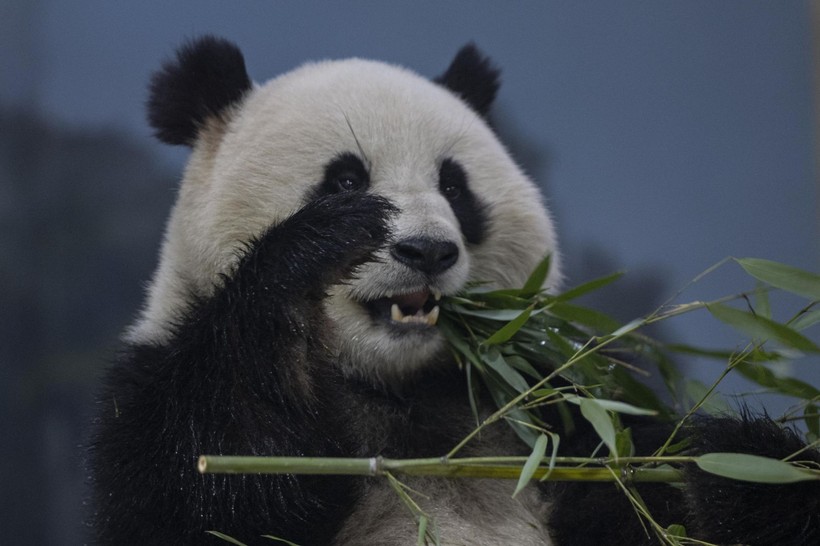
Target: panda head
{"type": "Point", "coordinates": [260, 152]}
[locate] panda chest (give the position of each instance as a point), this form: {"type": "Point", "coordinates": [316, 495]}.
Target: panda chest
{"type": "Point", "coordinates": [472, 512]}
{"type": "Point", "coordinates": [463, 511]}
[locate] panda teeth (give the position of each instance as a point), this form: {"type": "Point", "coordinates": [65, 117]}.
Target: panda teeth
{"type": "Point", "coordinates": [420, 317]}
{"type": "Point", "coordinates": [395, 313]}
{"type": "Point", "coordinates": [436, 293]}
{"type": "Point", "coordinates": [432, 316]}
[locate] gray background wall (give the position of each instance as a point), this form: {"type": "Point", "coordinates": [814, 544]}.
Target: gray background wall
{"type": "Point", "coordinates": [667, 135]}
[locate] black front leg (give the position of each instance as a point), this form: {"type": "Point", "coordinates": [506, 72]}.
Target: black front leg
{"type": "Point", "coordinates": [246, 371]}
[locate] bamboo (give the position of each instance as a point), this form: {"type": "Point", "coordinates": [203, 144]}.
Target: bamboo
{"type": "Point", "coordinates": [216, 464]}
{"type": "Point", "coordinates": [506, 468]}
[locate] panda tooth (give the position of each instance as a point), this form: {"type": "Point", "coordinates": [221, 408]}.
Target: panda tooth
{"type": "Point", "coordinates": [420, 317]}
{"type": "Point", "coordinates": [436, 294]}
{"type": "Point", "coordinates": [395, 313]}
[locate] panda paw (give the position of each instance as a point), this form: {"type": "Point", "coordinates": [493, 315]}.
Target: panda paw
{"type": "Point", "coordinates": [739, 512]}
{"type": "Point", "coordinates": [324, 242]}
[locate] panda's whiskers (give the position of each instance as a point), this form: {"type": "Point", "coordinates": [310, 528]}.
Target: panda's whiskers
{"type": "Point", "coordinates": [358, 144]}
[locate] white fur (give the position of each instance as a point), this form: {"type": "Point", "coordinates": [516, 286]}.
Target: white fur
{"type": "Point", "coordinates": [466, 512]}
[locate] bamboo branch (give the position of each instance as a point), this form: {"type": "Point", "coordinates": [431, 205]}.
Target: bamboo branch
{"type": "Point", "coordinates": [506, 468]}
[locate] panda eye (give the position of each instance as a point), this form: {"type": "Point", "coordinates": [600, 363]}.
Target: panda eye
{"type": "Point", "coordinates": [348, 182]}
{"type": "Point", "coordinates": [451, 180]}
{"type": "Point", "coordinates": [471, 213]}
{"type": "Point", "coordinates": [344, 173]}
{"type": "Point", "coordinates": [451, 191]}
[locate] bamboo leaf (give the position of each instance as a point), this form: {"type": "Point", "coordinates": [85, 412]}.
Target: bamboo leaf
{"type": "Point", "coordinates": [627, 328]}
{"type": "Point", "coordinates": [501, 299]}
{"type": "Point", "coordinates": [226, 538]}
{"type": "Point", "coordinates": [495, 360]}
{"type": "Point", "coordinates": [582, 315]}
{"type": "Point", "coordinates": [761, 328]}
{"type": "Point", "coordinates": [502, 315]}
{"type": "Point", "coordinates": [472, 389]}
{"type": "Point", "coordinates": [526, 432]}
{"type": "Point", "coordinates": [561, 344]}
{"type": "Point", "coordinates": [758, 355]}
{"type": "Point", "coordinates": [712, 403]}
{"type": "Point", "coordinates": [522, 365]}
{"type": "Point", "coordinates": [422, 540]}
{"type": "Point", "coordinates": [622, 407]}
{"type": "Point", "coordinates": [556, 441]}
{"type": "Point", "coordinates": [763, 307]}
{"type": "Point", "coordinates": [533, 461]}
{"type": "Point", "coordinates": [590, 286]}
{"type": "Point", "coordinates": [460, 344]}
{"type": "Point", "coordinates": [807, 319]}
{"type": "Point", "coordinates": [783, 276]}
{"type": "Point", "coordinates": [785, 385]}
{"type": "Point", "coordinates": [282, 540]}
{"type": "Point", "coordinates": [601, 422]}
{"type": "Point", "coordinates": [537, 278]}
{"type": "Point", "coordinates": [637, 393]}
{"type": "Point", "coordinates": [501, 393]}
{"type": "Point", "coordinates": [753, 468]}
{"type": "Point", "coordinates": [612, 405]}
{"type": "Point", "coordinates": [544, 393]}
{"type": "Point", "coordinates": [623, 441]}
{"type": "Point", "coordinates": [717, 354]}
{"type": "Point", "coordinates": [678, 447]}
{"type": "Point", "coordinates": [508, 330]}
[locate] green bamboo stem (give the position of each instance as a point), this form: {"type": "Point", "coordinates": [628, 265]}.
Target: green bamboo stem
{"type": "Point", "coordinates": [218, 464]}
{"type": "Point", "coordinates": [506, 468]}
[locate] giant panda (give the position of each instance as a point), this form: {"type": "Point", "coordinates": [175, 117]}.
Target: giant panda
{"type": "Point", "coordinates": [321, 217]}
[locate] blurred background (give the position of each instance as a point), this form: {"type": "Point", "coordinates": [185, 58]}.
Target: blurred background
{"type": "Point", "coordinates": [666, 135]}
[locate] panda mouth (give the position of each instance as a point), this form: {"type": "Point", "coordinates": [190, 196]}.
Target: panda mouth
{"type": "Point", "coordinates": [418, 308]}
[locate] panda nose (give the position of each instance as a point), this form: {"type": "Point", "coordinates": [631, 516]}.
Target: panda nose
{"type": "Point", "coordinates": [426, 255]}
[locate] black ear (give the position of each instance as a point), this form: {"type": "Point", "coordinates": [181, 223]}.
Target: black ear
{"type": "Point", "coordinates": [207, 76]}
{"type": "Point", "coordinates": [472, 77]}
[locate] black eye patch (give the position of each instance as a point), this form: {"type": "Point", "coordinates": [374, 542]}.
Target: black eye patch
{"type": "Point", "coordinates": [470, 212]}
{"type": "Point", "coordinates": [343, 173]}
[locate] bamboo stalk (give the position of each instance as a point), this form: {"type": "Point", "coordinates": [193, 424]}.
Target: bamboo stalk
{"type": "Point", "coordinates": [217, 464]}
{"type": "Point", "coordinates": [507, 468]}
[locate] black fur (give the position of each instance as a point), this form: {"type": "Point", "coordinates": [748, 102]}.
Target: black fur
{"type": "Point", "coordinates": [736, 512]}
{"type": "Point", "coordinates": [472, 77]}
{"type": "Point", "coordinates": [470, 212]}
{"type": "Point", "coordinates": [207, 76]}
{"type": "Point", "coordinates": [245, 372]}
{"type": "Point", "coordinates": [595, 514]}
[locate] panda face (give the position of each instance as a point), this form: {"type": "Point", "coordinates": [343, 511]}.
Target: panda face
{"type": "Point", "coordinates": [465, 211]}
